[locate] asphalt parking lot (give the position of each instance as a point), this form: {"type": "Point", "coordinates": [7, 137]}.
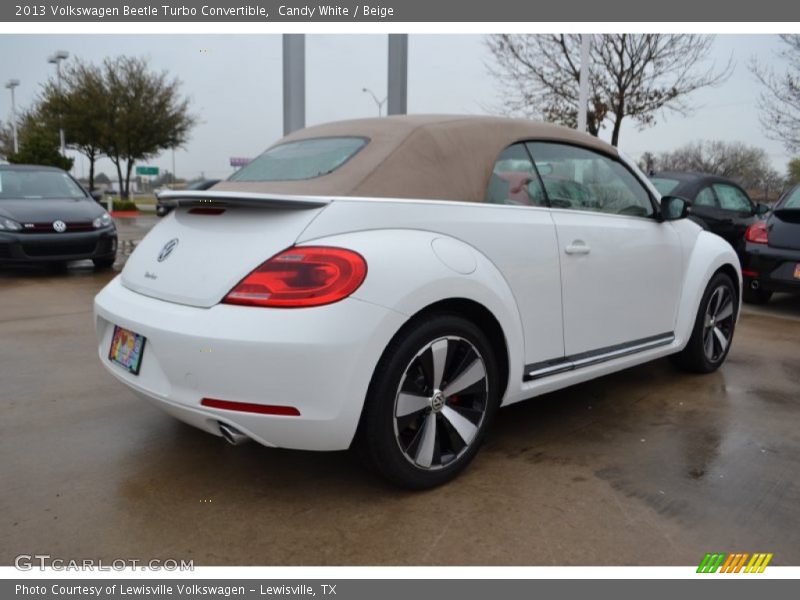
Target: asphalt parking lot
{"type": "Point", "coordinates": [645, 467]}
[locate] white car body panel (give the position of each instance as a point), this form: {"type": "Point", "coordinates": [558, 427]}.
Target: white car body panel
{"type": "Point", "coordinates": [519, 241]}
{"type": "Point", "coordinates": [507, 259]}
{"type": "Point", "coordinates": [619, 283]}
{"type": "Point", "coordinates": [312, 359]}
{"type": "Point", "coordinates": [213, 253]}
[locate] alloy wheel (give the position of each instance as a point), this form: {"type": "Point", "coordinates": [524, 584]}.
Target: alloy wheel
{"type": "Point", "coordinates": [441, 402]}
{"type": "Point", "coordinates": [718, 323]}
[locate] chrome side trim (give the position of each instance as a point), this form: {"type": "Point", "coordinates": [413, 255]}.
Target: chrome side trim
{"type": "Point", "coordinates": [586, 359]}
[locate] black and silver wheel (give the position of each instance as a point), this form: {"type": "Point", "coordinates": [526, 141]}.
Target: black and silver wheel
{"type": "Point", "coordinates": [718, 323]}
{"type": "Point", "coordinates": [714, 326]}
{"type": "Point", "coordinates": [431, 399]}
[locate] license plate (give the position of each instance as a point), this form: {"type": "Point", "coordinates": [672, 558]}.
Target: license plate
{"type": "Point", "coordinates": [126, 350]}
{"type": "Point", "coordinates": [797, 271]}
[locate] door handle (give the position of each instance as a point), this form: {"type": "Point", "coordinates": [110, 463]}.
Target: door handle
{"type": "Point", "coordinates": [577, 247]}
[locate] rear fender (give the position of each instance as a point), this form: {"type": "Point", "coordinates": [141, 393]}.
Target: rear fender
{"type": "Point", "coordinates": [409, 270]}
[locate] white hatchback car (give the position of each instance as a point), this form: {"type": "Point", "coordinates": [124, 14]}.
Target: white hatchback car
{"type": "Point", "coordinates": [391, 282]}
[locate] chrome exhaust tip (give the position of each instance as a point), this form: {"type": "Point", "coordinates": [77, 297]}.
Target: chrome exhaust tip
{"type": "Point", "coordinates": [754, 285]}
{"type": "Point", "coordinates": [232, 435]}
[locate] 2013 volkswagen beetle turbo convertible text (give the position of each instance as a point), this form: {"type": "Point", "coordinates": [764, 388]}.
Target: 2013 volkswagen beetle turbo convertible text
{"type": "Point", "coordinates": [389, 283]}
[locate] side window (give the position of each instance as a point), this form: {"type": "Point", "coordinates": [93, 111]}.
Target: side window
{"type": "Point", "coordinates": [705, 198]}
{"type": "Point", "coordinates": [581, 179]}
{"type": "Point", "coordinates": [732, 198]}
{"type": "Point", "coordinates": [514, 180]}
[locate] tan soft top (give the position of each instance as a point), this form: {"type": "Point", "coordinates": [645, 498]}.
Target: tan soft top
{"type": "Point", "coordinates": [418, 156]}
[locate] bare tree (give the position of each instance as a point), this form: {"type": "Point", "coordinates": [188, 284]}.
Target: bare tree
{"type": "Point", "coordinates": [748, 166]}
{"type": "Point", "coordinates": [772, 184]}
{"type": "Point", "coordinates": [647, 162]}
{"type": "Point", "coordinates": [779, 102]}
{"type": "Point", "coordinates": [630, 75]}
{"type": "Point", "coordinates": [793, 171]}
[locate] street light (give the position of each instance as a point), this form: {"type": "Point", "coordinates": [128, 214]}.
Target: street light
{"type": "Point", "coordinates": [378, 103]}
{"type": "Point", "coordinates": [55, 59]}
{"type": "Point", "coordinates": [10, 85]}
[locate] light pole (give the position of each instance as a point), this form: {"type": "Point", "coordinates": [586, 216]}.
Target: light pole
{"type": "Point", "coordinates": [378, 103]}
{"type": "Point", "coordinates": [11, 84]}
{"type": "Point", "coordinates": [56, 59]}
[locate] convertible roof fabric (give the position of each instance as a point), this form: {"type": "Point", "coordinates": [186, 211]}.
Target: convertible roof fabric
{"type": "Point", "coordinates": [418, 156]}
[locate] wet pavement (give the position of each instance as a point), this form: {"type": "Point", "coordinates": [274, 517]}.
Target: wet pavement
{"type": "Point", "coordinates": [649, 466]}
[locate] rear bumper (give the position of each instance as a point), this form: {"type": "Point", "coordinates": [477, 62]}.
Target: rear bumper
{"type": "Point", "coordinates": [772, 268]}
{"type": "Point", "coordinates": [53, 247]}
{"type": "Point", "coordinates": [317, 360]}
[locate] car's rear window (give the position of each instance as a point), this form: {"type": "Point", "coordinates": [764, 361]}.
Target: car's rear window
{"type": "Point", "coordinates": [38, 185]}
{"type": "Point", "coordinates": [793, 201]}
{"type": "Point", "coordinates": [303, 159]}
{"type": "Point", "coordinates": [663, 185]}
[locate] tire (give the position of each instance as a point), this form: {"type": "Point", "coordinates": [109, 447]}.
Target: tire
{"type": "Point", "coordinates": [418, 433]}
{"type": "Point", "coordinates": [713, 329]}
{"type": "Point", "coordinates": [104, 263]}
{"type": "Point", "coordinates": [758, 296]}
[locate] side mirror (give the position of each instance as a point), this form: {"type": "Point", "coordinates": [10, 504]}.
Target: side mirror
{"type": "Point", "coordinates": [761, 209]}
{"type": "Point", "coordinates": [97, 195]}
{"type": "Point", "coordinates": [674, 208]}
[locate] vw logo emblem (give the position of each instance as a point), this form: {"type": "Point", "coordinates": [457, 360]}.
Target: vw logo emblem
{"type": "Point", "coordinates": [167, 249]}
{"type": "Point", "coordinates": [59, 226]}
{"type": "Point", "coordinates": [438, 401]}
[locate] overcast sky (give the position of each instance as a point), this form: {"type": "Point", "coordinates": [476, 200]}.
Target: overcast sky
{"type": "Point", "coordinates": [235, 85]}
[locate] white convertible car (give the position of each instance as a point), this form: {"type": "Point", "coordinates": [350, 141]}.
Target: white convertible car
{"type": "Point", "coordinates": [390, 283]}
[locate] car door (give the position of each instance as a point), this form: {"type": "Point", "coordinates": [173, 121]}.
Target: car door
{"type": "Point", "coordinates": [521, 240]}
{"type": "Point", "coordinates": [620, 266]}
{"type": "Point", "coordinates": [705, 208]}
{"type": "Point", "coordinates": [738, 212]}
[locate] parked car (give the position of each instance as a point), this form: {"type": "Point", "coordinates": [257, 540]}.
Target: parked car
{"type": "Point", "coordinates": [718, 203]}
{"type": "Point", "coordinates": [361, 283]}
{"type": "Point", "coordinates": [772, 251]}
{"type": "Point", "coordinates": [200, 184]}
{"type": "Point", "coordinates": [47, 216]}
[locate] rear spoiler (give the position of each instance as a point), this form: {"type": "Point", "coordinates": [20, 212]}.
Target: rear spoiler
{"type": "Point", "coordinates": [242, 199]}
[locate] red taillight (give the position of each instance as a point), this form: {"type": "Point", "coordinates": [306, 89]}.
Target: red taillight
{"type": "Point", "coordinates": [261, 409]}
{"type": "Point", "coordinates": [301, 276]}
{"type": "Point", "coordinates": [757, 233]}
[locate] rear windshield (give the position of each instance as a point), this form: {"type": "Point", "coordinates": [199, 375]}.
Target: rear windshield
{"type": "Point", "coordinates": [38, 185]}
{"type": "Point", "coordinates": [793, 200]}
{"type": "Point", "coordinates": [664, 186]}
{"type": "Point", "coordinates": [304, 159]}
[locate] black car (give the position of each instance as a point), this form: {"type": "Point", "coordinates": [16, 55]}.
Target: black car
{"type": "Point", "coordinates": [47, 216]}
{"type": "Point", "coordinates": [772, 251]}
{"type": "Point", "coordinates": [200, 184]}
{"type": "Point", "coordinates": [718, 204]}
